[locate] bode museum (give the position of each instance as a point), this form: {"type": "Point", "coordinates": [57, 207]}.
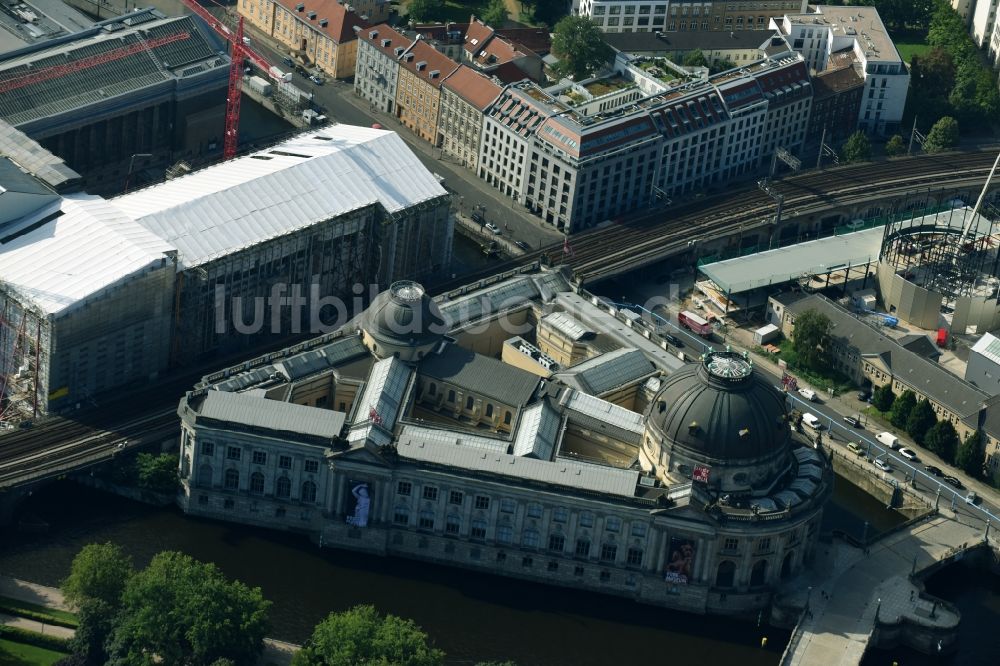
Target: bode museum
{"type": "Point", "coordinates": [521, 428]}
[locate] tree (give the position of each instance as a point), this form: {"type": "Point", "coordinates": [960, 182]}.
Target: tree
{"type": "Point", "coordinates": [883, 397]}
{"type": "Point", "coordinates": [95, 618]}
{"type": "Point", "coordinates": [181, 611]}
{"type": "Point", "coordinates": [721, 65]}
{"type": "Point", "coordinates": [362, 637]}
{"type": "Point", "coordinates": [549, 11]}
{"type": "Point", "coordinates": [497, 663]}
{"type": "Point", "coordinates": [943, 135]}
{"type": "Point", "coordinates": [157, 473]}
{"type": "Point", "coordinates": [920, 420]}
{"type": "Point", "coordinates": [810, 335]}
{"type": "Point", "coordinates": [495, 14]}
{"type": "Point", "coordinates": [578, 45]}
{"type": "Point", "coordinates": [901, 408]}
{"type": "Point", "coordinates": [970, 455]}
{"type": "Point", "coordinates": [695, 58]}
{"type": "Point", "coordinates": [99, 572]}
{"type": "Point", "coordinates": [895, 146]}
{"type": "Point", "coordinates": [424, 10]}
{"type": "Point", "coordinates": [942, 440]}
{"type": "Point", "coordinates": [857, 148]}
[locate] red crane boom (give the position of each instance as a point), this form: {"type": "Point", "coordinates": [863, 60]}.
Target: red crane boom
{"type": "Point", "coordinates": [239, 52]}
{"type": "Point", "coordinates": [55, 71]}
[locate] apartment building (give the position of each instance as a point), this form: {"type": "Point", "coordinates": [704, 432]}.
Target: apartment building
{"type": "Point", "coordinates": [317, 33]}
{"type": "Point", "coordinates": [486, 50]}
{"type": "Point", "coordinates": [830, 34]}
{"type": "Point", "coordinates": [465, 95]}
{"type": "Point", "coordinates": [983, 19]}
{"type": "Point", "coordinates": [418, 94]}
{"type": "Point", "coordinates": [585, 152]}
{"type": "Point", "coordinates": [377, 71]}
{"type": "Point", "coordinates": [670, 16]}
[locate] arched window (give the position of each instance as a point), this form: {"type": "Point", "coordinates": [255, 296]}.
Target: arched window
{"type": "Point", "coordinates": [232, 480]}
{"type": "Point", "coordinates": [758, 575]}
{"type": "Point", "coordinates": [309, 491]}
{"type": "Point", "coordinates": [205, 476]}
{"type": "Point", "coordinates": [489, 410]}
{"type": "Point", "coordinates": [451, 395]}
{"type": "Point", "coordinates": [432, 389]}
{"type": "Point", "coordinates": [726, 575]}
{"type": "Point", "coordinates": [786, 564]}
{"type": "Point", "coordinates": [469, 402]}
{"type": "Point", "coordinates": [283, 487]}
{"type": "Point", "coordinates": [257, 483]}
{"type": "Point", "coordinates": [506, 418]}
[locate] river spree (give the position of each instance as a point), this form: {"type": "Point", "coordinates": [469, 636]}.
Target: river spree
{"type": "Point", "coordinates": [471, 616]}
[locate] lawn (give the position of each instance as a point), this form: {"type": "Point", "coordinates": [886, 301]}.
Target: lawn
{"type": "Point", "coordinates": [19, 654]}
{"type": "Point", "coordinates": [911, 43]}
{"type": "Point", "coordinates": [36, 612]}
{"type": "Point", "coordinates": [821, 381]}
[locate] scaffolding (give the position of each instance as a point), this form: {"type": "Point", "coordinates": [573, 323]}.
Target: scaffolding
{"type": "Point", "coordinates": [24, 353]}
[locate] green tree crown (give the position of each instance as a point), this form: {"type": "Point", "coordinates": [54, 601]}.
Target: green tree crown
{"type": "Point", "coordinates": [901, 408]}
{"type": "Point", "coordinates": [580, 48]}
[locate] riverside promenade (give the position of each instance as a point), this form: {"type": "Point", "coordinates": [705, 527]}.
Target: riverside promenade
{"type": "Point", "coordinates": [853, 591]}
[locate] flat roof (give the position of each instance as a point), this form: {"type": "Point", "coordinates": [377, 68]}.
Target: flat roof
{"type": "Point", "coordinates": [774, 267]}
{"type": "Point", "coordinates": [259, 412]}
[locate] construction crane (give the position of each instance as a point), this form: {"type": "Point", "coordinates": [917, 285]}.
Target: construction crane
{"type": "Point", "coordinates": [239, 51]}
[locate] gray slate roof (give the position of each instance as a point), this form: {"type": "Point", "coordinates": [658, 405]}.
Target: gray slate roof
{"type": "Point", "coordinates": [608, 371]}
{"type": "Point", "coordinates": [257, 412]}
{"type": "Point", "coordinates": [481, 374]}
{"type": "Point", "coordinates": [646, 42]}
{"type": "Point", "coordinates": [925, 376]}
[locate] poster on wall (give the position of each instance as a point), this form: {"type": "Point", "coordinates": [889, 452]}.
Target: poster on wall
{"type": "Point", "coordinates": [358, 503]}
{"type": "Point", "coordinates": [680, 561]}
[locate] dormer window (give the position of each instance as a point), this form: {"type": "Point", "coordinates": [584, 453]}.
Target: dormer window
{"type": "Point", "coordinates": [323, 23]}
{"type": "Point", "coordinates": [421, 66]}
{"type": "Point", "coordinates": [311, 16]}
{"type": "Point", "coordinates": [300, 7]}
{"type": "Point", "coordinates": [373, 34]}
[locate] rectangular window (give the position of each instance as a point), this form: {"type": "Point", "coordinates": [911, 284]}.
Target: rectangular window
{"type": "Point", "coordinates": [456, 497]}
{"type": "Point", "coordinates": [478, 530]}
{"type": "Point", "coordinates": [613, 524]}
{"type": "Point", "coordinates": [586, 520]}
{"type": "Point", "coordinates": [208, 448]}
{"type": "Point", "coordinates": [534, 510]}
{"type": "Point", "coordinates": [234, 452]}
{"type": "Point", "coordinates": [401, 516]}
{"type": "Point", "coordinates": [260, 457]}
{"type": "Point", "coordinates": [404, 488]}
{"type": "Point", "coordinates": [582, 548]}
{"type": "Point", "coordinates": [482, 502]}
{"type": "Point", "coordinates": [730, 544]}
{"type": "Point", "coordinates": [560, 514]}
{"type": "Point", "coordinates": [638, 529]}
{"type": "Point", "coordinates": [426, 521]}
{"type": "Point", "coordinates": [557, 542]}
{"type": "Point", "coordinates": [764, 545]}
{"type": "Point", "coordinates": [609, 552]}
{"type": "Point", "coordinates": [285, 462]}
{"type": "Point", "coordinates": [634, 557]}
{"type": "Point", "coordinates": [505, 534]}
{"type": "Point", "coordinates": [452, 525]}
{"type": "Point", "coordinates": [430, 493]}
{"type": "Point", "coordinates": [312, 466]}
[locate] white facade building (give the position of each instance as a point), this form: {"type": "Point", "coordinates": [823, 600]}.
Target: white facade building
{"type": "Point", "coordinates": [377, 69]}
{"type": "Point", "coordinates": [859, 33]}
{"type": "Point", "coordinates": [983, 368]}
{"type": "Point", "coordinates": [674, 15]}
{"type": "Point", "coordinates": [983, 18]}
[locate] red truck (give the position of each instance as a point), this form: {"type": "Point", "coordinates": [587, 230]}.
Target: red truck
{"type": "Point", "coordinates": [694, 323]}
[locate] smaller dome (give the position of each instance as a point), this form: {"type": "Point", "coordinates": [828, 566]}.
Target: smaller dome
{"type": "Point", "coordinates": [404, 315]}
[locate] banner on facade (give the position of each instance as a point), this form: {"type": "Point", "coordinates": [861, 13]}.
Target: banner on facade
{"type": "Point", "coordinates": [701, 473]}
{"type": "Point", "coordinates": [358, 503]}
{"type": "Point", "coordinates": [680, 561]}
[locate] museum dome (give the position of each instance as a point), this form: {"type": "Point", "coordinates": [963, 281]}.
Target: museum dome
{"type": "Point", "coordinates": [404, 315]}
{"type": "Point", "coordinates": [720, 410]}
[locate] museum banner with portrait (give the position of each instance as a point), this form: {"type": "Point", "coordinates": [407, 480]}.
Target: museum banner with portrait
{"type": "Point", "coordinates": [680, 561]}
{"type": "Point", "coordinates": [358, 503]}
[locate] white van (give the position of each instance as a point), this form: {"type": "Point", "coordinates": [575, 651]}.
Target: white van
{"type": "Point", "coordinates": [810, 421]}
{"type": "Point", "coordinates": [808, 394]}
{"type": "Point", "coordinates": [888, 439]}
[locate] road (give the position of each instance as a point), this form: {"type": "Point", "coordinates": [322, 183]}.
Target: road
{"type": "Point", "coordinates": [837, 432]}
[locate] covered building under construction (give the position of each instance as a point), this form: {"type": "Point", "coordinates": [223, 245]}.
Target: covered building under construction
{"type": "Point", "coordinates": [141, 84]}
{"type": "Point", "coordinates": [97, 293]}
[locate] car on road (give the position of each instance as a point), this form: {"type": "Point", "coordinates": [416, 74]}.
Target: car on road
{"type": "Point", "coordinates": [808, 394]}
{"type": "Point", "coordinates": [931, 469]}
{"type": "Point", "coordinates": [288, 62]}
{"type": "Point", "coordinates": [674, 340]}
{"type": "Point", "coordinates": [478, 218]}
{"type": "Point", "coordinates": [909, 454]}
{"type": "Point", "coordinates": [524, 246]}
{"type": "Point", "coordinates": [811, 421]}
{"type": "Point", "coordinates": [318, 80]}
{"type": "Point", "coordinates": [972, 498]}
{"type": "Point", "coordinates": [493, 228]}
{"type": "Point", "coordinates": [855, 448]}
{"type": "Point", "coordinates": [882, 465]}
{"type": "Point", "coordinates": [947, 478]}
{"type": "Point", "coordinates": [852, 421]}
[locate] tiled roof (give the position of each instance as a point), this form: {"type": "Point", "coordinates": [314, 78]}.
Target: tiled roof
{"type": "Point", "coordinates": [428, 64]}
{"type": "Point", "coordinates": [537, 40]}
{"type": "Point", "coordinates": [385, 39]}
{"type": "Point", "coordinates": [341, 22]}
{"type": "Point", "coordinates": [476, 36]}
{"type": "Point", "coordinates": [473, 87]}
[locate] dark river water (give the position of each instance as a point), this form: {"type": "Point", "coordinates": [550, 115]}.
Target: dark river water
{"type": "Point", "coordinates": [471, 616]}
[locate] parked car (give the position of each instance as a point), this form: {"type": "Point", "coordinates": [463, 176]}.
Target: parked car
{"type": "Point", "coordinates": [808, 394]}
{"type": "Point", "coordinates": [855, 448]}
{"type": "Point", "coordinates": [318, 80]}
{"type": "Point", "coordinates": [931, 469]}
{"type": "Point", "coordinates": [909, 454]}
{"type": "Point", "coordinates": [947, 478]}
{"type": "Point", "coordinates": [493, 228]}
{"type": "Point", "coordinates": [524, 246]}
{"type": "Point", "coordinates": [888, 439]}
{"type": "Point", "coordinates": [883, 465]}
{"type": "Point", "coordinates": [864, 396]}
{"type": "Point", "coordinates": [972, 498]}
{"type": "Point", "coordinates": [288, 61]}
{"type": "Point", "coordinates": [674, 340]}
{"type": "Point", "coordinates": [853, 422]}
{"type": "Point", "coordinates": [478, 218]}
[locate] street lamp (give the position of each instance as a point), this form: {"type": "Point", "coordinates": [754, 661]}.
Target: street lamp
{"type": "Point", "coordinates": [131, 165]}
